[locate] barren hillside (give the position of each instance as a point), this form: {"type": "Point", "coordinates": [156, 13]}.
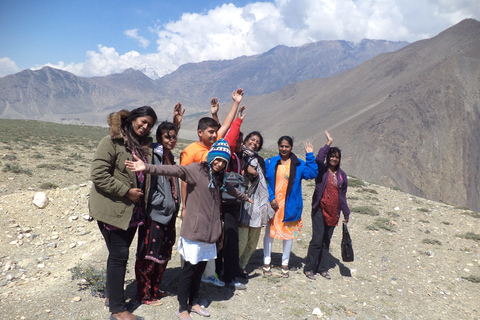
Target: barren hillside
{"type": "Point", "coordinates": [414, 258]}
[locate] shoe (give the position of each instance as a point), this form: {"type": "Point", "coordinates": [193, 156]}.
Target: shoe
{"type": "Point", "coordinates": [213, 280]}
{"type": "Point", "coordinates": [162, 294]}
{"type": "Point", "coordinates": [177, 313]}
{"type": "Point", "coordinates": [285, 273]}
{"type": "Point", "coordinates": [200, 311]}
{"type": "Point", "coordinates": [243, 274]}
{"type": "Point", "coordinates": [326, 275]}
{"type": "Point", "coordinates": [237, 285]}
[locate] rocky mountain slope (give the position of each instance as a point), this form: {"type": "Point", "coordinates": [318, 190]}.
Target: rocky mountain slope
{"type": "Point", "coordinates": [414, 258]}
{"type": "Point", "coordinates": [407, 119]}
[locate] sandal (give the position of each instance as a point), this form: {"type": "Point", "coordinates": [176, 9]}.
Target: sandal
{"type": "Point", "coordinates": [326, 275]}
{"type": "Point", "coordinates": [310, 275]}
{"type": "Point", "coordinates": [153, 303]}
{"type": "Point", "coordinates": [285, 272]}
{"type": "Point", "coordinates": [267, 270]}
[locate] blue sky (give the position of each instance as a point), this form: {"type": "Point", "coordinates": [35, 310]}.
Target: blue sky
{"type": "Point", "coordinates": [94, 38]}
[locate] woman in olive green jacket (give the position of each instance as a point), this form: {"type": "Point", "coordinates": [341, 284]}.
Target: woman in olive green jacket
{"type": "Point", "coordinates": [118, 196]}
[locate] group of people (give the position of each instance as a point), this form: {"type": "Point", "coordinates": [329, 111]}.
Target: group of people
{"type": "Point", "coordinates": [137, 185]}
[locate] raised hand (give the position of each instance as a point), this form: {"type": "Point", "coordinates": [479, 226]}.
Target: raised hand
{"type": "Point", "coordinates": [178, 114]}
{"type": "Point", "coordinates": [308, 147]}
{"type": "Point", "coordinates": [237, 95]}
{"type": "Point", "coordinates": [329, 137]}
{"type": "Point", "coordinates": [241, 115]}
{"type": "Point", "coordinates": [214, 106]}
{"type": "Point", "coordinates": [135, 166]}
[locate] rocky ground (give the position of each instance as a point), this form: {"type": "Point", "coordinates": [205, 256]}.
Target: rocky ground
{"type": "Point", "coordinates": [414, 258]}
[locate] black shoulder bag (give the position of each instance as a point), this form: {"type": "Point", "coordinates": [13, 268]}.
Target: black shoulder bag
{"type": "Point", "coordinates": [347, 249]}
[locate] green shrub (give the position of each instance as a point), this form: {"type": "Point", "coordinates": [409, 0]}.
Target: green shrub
{"type": "Point", "coordinates": [370, 190]}
{"type": "Point", "coordinates": [9, 157]}
{"type": "Point", "coordinates": [52, 166]}
{"type": "Point", "coordinates": [75, 155]}
{"type": "Point", "coordinates": [423, 209]}
{"type": "Point", "coordinates": [48, 185]}
{"type": "Point", "coordinates": [472, 214]}
{"type": "Point", "coordinates": [470, 236]}
{"type": "Point", "coordinates": [38, 156]}
{"type": "Point", "coordinates": [396, 188]}
{"type": "Point", "coordinates": [381, 223]}
{"type": "Point", "coordinates": [474, 279]}
{"type": "Point", "coordinates": [365, 210]}
{"type": "Point", "coordinates": [393, 214]}
{"type": "Point", "coordinates": [95, 279]}
{"type": "Point", "coordinates": [354, 183]}
{"type": "Point", "coordinates": [462, 208]}
{"type": "Point", "coordinates": [432, 241]}
{"type": "Point", "coordinates": [15, 168]}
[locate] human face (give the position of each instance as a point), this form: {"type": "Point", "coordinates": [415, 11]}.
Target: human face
{"type": "Point", "coordinates": [218, 164]}
{"type": "Point", "coordinates": [238, 148]}
{"type": "Point", "coordinates": [169, 140]}
{"type": "Point", "coordinates": [253, 143]}
{"type": "Point", "coordinates": [208, 136]}
{"type": "Point", "coordinates": [142, 125]}
{"type": "Point", "coordinates": [284, 149]}
{"type": "Point", "coordinates": [334, 160]}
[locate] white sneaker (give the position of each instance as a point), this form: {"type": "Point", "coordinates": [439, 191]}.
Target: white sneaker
{"type": "Point", "coordinates": [213, 280]}
{"type": "Point", "coordinates": [237, 285]}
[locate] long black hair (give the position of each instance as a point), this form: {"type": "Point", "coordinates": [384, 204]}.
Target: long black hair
{"type": "Point", "coordinates": [138, 144]}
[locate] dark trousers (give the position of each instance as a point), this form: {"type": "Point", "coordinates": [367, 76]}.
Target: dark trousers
{"type": "Point", "coordinates": [319, 246]}
{"type": "Point", "coordinates": [189, 284]}
{"type": "Point", "coordinates": [228, 257]}
{"type": "Point", "coordinates": [118, 245]}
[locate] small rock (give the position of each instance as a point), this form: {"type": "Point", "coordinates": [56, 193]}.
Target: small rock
{"type": "Point", "coordinates": [40, 200]}
{"type": "Point", "coordinates": [76, 299]}
{"type": "Point", "coordinates": [317, 312]}
{"type": "Point", "coordinates": [72, 245]}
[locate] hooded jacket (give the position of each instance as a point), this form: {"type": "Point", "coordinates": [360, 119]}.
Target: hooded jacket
{"type": "Point", "coordinates": [162, 206]}
{"type": "Point", "coordinates": [322, 179]}
{"type": "Point", "coordinates": [202, 221]}
{"type": "Point", "coordinates": [299, 170]}
{"type": "Point", "coordinates": [111, 179]}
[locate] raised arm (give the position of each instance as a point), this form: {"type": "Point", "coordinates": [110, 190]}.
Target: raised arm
{"type": "Point", "coordinates": [178, 115]}
{"type": "Point", "coordinates": [214, 106]}
{"type": "Point", "coordinates": [329, 138]}
{"type": "Point", "coordinates": [311, 167]}
{"type": "Point", "coordinates": [237, 97]}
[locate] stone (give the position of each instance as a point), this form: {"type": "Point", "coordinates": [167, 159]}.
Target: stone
{"type": "Point", "coordinates": [40, 200]}
{"type": "Point", "coordinates": [317, 312]}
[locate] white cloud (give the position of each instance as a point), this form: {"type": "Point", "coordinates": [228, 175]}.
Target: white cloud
{"type": "Point", "coordinates": [7, 66]}
{"type": "Point", "coordinates": [133, 33]}
{"type": "Point", "coordinates": [228, 31]}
